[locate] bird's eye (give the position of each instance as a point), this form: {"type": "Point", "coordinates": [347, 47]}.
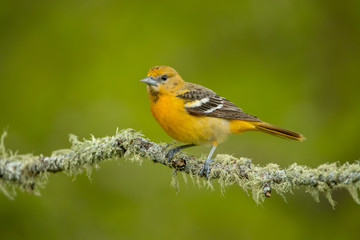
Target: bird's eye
{"type": "Point", "coordinates": [164, 77]}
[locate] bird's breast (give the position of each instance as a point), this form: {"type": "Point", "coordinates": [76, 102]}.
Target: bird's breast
{"type": "Point", "coordinates": [171, 115]}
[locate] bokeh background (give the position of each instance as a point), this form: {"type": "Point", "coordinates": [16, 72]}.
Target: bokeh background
{"type": "Point", "coordinates": [74, 67]}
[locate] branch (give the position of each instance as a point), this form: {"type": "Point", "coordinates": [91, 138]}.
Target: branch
{"type": "Point", "coordinates": [29, 172]}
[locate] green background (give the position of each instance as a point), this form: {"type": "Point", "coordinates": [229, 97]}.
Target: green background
{"type": "Point", "coordinates": [74, 67]}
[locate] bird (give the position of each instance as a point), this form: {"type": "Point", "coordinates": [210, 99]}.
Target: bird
{"type": "Point", "coordinates": [195, 115]}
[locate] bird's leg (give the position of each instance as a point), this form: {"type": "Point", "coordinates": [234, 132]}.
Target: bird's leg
{"type": "Point", "coordinates": [206, 168]}
{"type": "Point", "coordinates": [173, 151]}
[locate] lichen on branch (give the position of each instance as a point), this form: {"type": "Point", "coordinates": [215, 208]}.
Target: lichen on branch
{"type": "Point", "coordinates": [28, 171]}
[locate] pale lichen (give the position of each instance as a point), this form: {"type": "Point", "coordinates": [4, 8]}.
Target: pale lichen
{"type": "Point", "coordinates": [29, 172]}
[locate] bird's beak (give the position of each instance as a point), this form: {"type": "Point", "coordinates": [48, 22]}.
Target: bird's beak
{"type": "Point", "coordinates": [149, 80]}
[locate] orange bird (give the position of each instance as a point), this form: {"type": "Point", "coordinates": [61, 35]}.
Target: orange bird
{"type": "Point", "coordinates": [196, 115]}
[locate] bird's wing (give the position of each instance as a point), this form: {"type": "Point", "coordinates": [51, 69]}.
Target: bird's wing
{"type": "Point", "coordinates": [202, 101]}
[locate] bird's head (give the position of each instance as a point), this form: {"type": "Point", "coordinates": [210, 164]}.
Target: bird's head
{"type": "Point", "coordinates": [163, 79]}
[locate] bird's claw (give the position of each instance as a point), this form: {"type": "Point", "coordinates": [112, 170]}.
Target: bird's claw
{"type": "Point", "coordinates": [205, 170]}
{"type": "Point", "coordinates": [169, 154]}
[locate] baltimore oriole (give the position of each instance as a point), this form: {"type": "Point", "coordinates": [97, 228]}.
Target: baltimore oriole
{"type": "Point", "coordinates": [196, 115]}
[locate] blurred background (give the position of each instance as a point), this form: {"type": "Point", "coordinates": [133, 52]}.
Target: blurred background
{"type": "Point", "coordinates": [74, 67]}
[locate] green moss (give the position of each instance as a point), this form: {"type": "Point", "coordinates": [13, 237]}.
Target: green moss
{"type": "Point", "coordinates": [174, 181]}
{"type": "Point", "coordinates": [3, 153]}
{"type": "Point", "coordinates": [353, 190]}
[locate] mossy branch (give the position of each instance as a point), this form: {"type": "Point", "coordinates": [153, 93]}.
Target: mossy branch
{"type": "Point", "coordinates": [29, 172]}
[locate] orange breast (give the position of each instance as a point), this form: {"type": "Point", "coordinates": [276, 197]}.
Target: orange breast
{"type": "Point", "coordinates": [169, 111]}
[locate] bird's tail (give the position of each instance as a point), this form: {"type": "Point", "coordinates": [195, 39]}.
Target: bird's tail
{"type": "Point", "coordinates": [279, 132]}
